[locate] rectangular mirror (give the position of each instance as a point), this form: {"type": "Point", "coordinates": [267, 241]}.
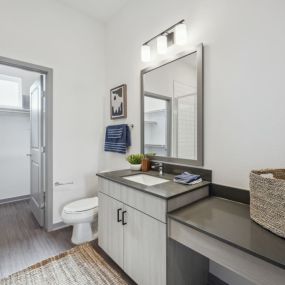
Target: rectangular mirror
{"type": "Point", "coordinates": [172, 109]}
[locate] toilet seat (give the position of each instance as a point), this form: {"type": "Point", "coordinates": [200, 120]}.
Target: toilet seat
{"type": "Point", "coordinates": [81, 206]}
{"type": "Point", "coordinates": [79, 217]}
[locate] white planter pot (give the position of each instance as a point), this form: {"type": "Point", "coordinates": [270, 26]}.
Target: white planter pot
{"type": "Point", "coordinates": [135, 166]}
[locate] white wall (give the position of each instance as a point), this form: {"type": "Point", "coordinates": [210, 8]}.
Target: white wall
{"type": "Point", "coordinates": [50, 34]}
{"type": "Point", "coordinates": [244, 70]}
{"type": "Point", "coordinates": [14, 164]}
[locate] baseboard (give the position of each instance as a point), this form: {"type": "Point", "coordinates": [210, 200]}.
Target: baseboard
{"type": "Point", "coordinates": [58, 226]}
{"type": "Point", "coordinates": [15, 199]}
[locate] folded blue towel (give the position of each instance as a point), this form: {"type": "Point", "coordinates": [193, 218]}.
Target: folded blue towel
{"type": "Point", "coordinates": [187, 178]}
{"type": "Point", "coordinates": [117, 138]}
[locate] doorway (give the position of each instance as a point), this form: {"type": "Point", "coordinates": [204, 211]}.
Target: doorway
{"type": "Point", "coordinates": [26, 114]}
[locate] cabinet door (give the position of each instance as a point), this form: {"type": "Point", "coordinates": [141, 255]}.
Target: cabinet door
{"type": "Point", "coordinates": [144, 248]}
{"type": "Point", "coordinates": [110, 231]}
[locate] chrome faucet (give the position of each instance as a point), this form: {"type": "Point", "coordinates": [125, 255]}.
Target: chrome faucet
{"type": "Point", "coordinates": [159, 166]}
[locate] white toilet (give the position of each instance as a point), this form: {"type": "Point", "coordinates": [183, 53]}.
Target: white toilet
{"type": "Point", "coordinates": [81, 215]}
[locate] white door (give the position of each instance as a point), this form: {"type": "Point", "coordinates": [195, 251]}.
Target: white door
{"type": "Point", "coordinates": [110, 227]}
{"type": "Point", "coordinates": [37, 151]}
{"type": "Point", "coordinates": [144, 248]}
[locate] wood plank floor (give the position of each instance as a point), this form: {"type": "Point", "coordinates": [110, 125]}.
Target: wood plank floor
{"type": "Point", "coordinates": [23, 242]}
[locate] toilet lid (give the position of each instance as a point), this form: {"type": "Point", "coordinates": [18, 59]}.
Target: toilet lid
{"type": "Point", "coordinates": [81, 205]}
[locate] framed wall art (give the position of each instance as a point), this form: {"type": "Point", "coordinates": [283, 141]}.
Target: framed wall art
{"type": "Point", "coordinates": [118, 102]}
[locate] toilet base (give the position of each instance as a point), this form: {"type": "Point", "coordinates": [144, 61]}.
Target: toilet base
{"type": "Point", "coordinates": [82, 233]}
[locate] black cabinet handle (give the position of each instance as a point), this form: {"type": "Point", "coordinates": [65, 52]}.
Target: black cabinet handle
{"type": "Point", "coordinates": [123, 222]}
{"type": "Point", "coordinates": [118, 215]}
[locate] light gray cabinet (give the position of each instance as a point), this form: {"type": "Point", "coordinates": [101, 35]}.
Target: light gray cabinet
{"type": "Point", "coordinates": [144, 248]}
{"type": "Point", "coordinates": [111, 232]}
{"type": "Point", "coordinates": [133, 239]}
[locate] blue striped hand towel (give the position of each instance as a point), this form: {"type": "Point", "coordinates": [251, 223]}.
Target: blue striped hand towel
{"type": "Point", "coordinates": [117, 138]}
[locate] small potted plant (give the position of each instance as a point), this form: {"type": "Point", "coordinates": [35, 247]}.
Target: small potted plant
{"type": "Point", "coordinates": [135, 161]}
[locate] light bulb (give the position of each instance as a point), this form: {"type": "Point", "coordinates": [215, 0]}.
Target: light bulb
{"type": "Point", "coordinates": [145, 53]}
{"type": "Point", "coordinates": [181, 34]}
{"type": "Point", "coordinates": [161, 44]}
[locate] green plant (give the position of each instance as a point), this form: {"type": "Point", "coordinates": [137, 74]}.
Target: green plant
{"type": "Point", "coordinates": [135, 158]}
{"type": "Point", "coordinates": [150, 154]}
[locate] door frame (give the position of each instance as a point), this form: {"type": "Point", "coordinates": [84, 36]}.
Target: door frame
{"type": "Point", "coordinates": [48, 72]}
{"type": "Point", "coordinates": [168, 118]}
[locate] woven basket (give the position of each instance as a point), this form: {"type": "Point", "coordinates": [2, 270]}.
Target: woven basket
{"type": "Point", "coordinates": [267, 199]}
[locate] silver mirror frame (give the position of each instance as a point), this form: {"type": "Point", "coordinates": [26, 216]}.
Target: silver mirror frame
{"type": "Point", "coordinates": [200, 109]}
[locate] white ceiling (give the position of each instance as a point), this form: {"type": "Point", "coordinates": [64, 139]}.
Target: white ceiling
{"type": "Point", "coordinates": [101, 10]}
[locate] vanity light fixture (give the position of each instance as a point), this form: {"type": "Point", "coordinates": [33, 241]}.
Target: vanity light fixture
{"type": "Point", "coordinates": [176, 34]}
{"type": "Point", "coordinates": [145, 53]}
{"type": "Point", "coordinates": [161, 44]}
{"type": "Point", "coordinates": [181, 34]}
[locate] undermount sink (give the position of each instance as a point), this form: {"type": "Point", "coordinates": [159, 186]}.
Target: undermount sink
{"type": "Point", "coordinates": [146, 179]}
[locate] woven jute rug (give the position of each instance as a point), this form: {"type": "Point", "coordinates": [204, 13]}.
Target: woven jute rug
{"type": "Point", "coordinates": [80, 265]}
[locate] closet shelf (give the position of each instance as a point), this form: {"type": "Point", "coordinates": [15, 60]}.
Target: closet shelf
{"type": "Point", "coordinates": [156, 145]}
{"type": "Point", "coordinates": [150, 122]}
{"type": "Point", "coordinates": [155, 111]}
{"type": "Point", "coordinates": [11, 110]}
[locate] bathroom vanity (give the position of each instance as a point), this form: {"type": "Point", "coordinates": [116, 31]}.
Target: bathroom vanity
{"type": "Point", "coordinates": [133, 220]}
{"type": "Point", "coordinates": [161, 232]}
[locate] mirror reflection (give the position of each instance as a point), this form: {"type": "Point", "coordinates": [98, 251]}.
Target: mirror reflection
{"type": "Point", "coordinates": [170, 109]}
